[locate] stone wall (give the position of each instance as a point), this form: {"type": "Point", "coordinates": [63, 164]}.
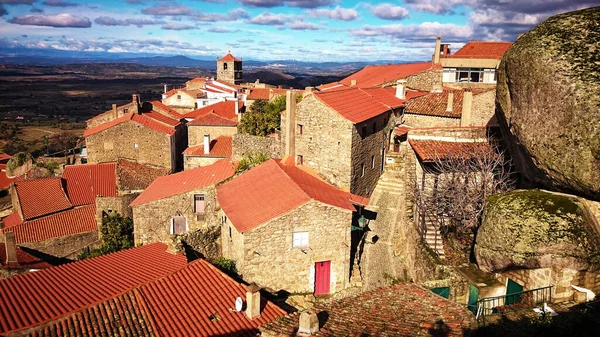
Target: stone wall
{"type": "Point", "coordinates": [111, 205]}
{"type": "Point", "coordinates": [483, 108]}
{"type": "Point", "coordinates": [425, 121]}
{"type": "Point", "coordinates": [152, 221]}
{"type": "Point", "coordinates": [425, 80]}
{"type": "Point", "coordinates": [185, 103]}
{"type": "Point", "coordinates": [243, 144]}
{"type": "Point", "coordinates": [270, 245]}
{"type": "Point", "coordinates": [196, 133]}
{"type": "Point", "coordinates": [119, 141]}
{"type": "Point", "coordinates": [369, 138]}
{"type": "Point", "coordinates": [201, 243]}
{"type": "Point", "coordinates": [67, 246]}
{"type": "Point", "coordinates": [111, 115]}
{"type": "Point", "coordinates": [191, 162]}
{"type": "Point", "coordinates": [326, 141]}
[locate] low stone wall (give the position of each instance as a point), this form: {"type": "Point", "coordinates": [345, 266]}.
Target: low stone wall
{"type": "Point", "coordinates": [242, 144]}
{"type": "Point", "coordinates": [67, 247]}
{"type": "Point", "coordinates": [203, 243]}
{"type": "Point", "coordinates": [114, 204]}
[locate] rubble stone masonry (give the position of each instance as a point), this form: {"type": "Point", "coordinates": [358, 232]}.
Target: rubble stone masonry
{"type": "Point", "coordinates": [152, 221]}
{"type": "Point", "coordinates": [243, 144]}
{"type": "Point", "coordinates": [424, 121]}
{"type": "Point", "coordinates": [483, 108]}
{"type": "Point", "coordinates": [196, 133]}
{"type": "Point", "coordinates": [265, 255]}
{"type": "Point", "coordinates": [66, 246]}
{"type": "Point", "coordinates": [131, 141]}
{"type": "Point", "coordinates": [426, 80]}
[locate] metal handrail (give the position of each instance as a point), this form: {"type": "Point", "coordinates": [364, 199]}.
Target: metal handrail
{"type": "Point", "coordinates": [530, 298]}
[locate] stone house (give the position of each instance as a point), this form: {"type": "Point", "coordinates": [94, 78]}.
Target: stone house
{"type": "Point", "coordinates": [210, 152]}
{"type": "Point", "coordinates": [229, 69]}
{"type": "Point", "coordinates": [148, 136]}
{"type": "Point", "coordinates": [281, 214]}
{"type": "Point", "coordinates": [201, 92]}
{"type": "Point", "coordinates": [216, 120]}
{"type": "Point", "coordinates": [115, 112]}
{"type": "Point", "coordinates": [179, 203]}
{"type": "Point", "coordinates": [344, 134]}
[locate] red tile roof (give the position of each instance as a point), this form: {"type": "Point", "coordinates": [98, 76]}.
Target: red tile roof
{"type": "Point", "coordinates": [85, 182]}
{"type": "Point", "coordinates": [145, 119]}
{"type": "Point", "coordinates": [432, 150]}
{"type": "Point", "coordinates": [194, 93]}
{"type": "Point", "coordinates": [482, 50]}
{"type": "Point", "coordinates": [353, 104]}
{"type": "Point", "coordinates": [332, 86]}
{"type": "Point", "coordinates": [265, 93]}
{"type": "Point", "coordinates": [272, 189]}
{"type": "Point", "coordinates": [25, 260]}
{"type": "Point", "coordinates": [219, 147]}
{"type": "Point", "coordinates": [34, 298]}
{"type": "Point", "coordinates": [134, 176]}
{"type": "Point", "coordinates": [4, 179]}
{"type": "Point", "coordinates": [160, 107]}
{"type": "Point", "coordinates": [371, 76]}
{"type": "Point", "coordinates": [179, 304]}
{"type": "Point", "coordinates": [39, 197]}
{"type": "Point", "coordinates": [435, 103]}
{"type": "Point", "coordinates": [224, 109]}
{"type": "Point", "coordinates": [213, 120]}
{"type": "Point", "coordinates": [400, 310]}
{"type": "Point", "coordinates": [182, 303]}
{"type": "Point", "coordinates": [168, 186]}
{"type": "Point", "coordinates": [70, 222]}
{"type": "Point", "coordinates": [229, 57]}
{"type": "Point", "coordinates": [12, 219]}
{"type": "Point", "coordinates": [4, 157]}
{"type": "Point", "coordinates": [401, 130]}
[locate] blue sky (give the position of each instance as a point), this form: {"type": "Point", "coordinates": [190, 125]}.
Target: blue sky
{"type": "Point", "coordinates": [307, 30]}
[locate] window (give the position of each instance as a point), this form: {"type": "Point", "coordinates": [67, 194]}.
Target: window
{"type": "Point", "coordinates": [374, 127]}
{"type": "Point", "coordinates": [178, 96]}
{"type": "Point", "coordinates": [362, 169]}
{"type": "Point", "coordinates": [230, 232]}
{"type": "Point", "coordinates": [125, 111]}
{"type": "Point", "coordinates": [300, 160]}
{"type": "Point", "coordinates": [372, 161]}
{"type": "Point", "coordinates": [198, 203]}
{"type": "Point", "coordinates": [300, 239]}
{"type": "Point", "coordinates": [224, 66]}
{"type": "Point", "coordinates": [135, 145]}
{"type": "Point", "coordinates": [299, 129]}
{"type": "Point", "coordinates": [178, 225]}
{"type": "Point", "coordinates": [224, 220]}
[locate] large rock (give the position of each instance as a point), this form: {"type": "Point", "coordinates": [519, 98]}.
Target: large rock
{"type": "Point", "coordinates": [535, 229]}
{"type": "Point", "coordinates": [548, 103]}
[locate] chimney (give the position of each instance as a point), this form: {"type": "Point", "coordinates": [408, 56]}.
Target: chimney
{"type": "Point", "coordinates": [11, 249]}
{"type": "Point", "coordinates": [206, 144]}
{"type": "Point", "coordinates": [436, 52]}
{"type": "Point", "coordinates": [467, 104]}
{"type": "Point", "coordinates": [308, 91]}
{"type": "Point", "coordinates": [136, 103]}
{"type": "Point", "coordinates": [450, 101]}
{"type": "Point", "coordinates": [309, 323]}
{"type": "Point", "coordinates": [437, 87]}
{"type": "Point", "coordinates": [270, 94]}
{"type": "Point", "coordinates": [253, 301]}
{"type": "Point", "coordinates": [247, 91]}
{"type": "Point", "coordinates": [401, 89]}
{"type": "Point", "coordinates": [236, 106]}
{"type": "Point", "coordinates": [114, 111]}
{"type": "Point", "coordinates": [352, 83]}
{"type": "Point", "coordinates": [290, 128]}
{"type": "Point", "coordinates": [165, 88]}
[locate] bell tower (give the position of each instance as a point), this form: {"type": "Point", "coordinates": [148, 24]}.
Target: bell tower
{"type": "Point", "coordinates": [229, 69]}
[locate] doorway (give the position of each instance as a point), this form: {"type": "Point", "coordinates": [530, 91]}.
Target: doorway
{"type": "Point", "coordinates": [322, 277]}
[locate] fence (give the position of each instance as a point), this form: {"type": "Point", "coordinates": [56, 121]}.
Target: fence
{"type": "Point", "coordinates": [511, 302]}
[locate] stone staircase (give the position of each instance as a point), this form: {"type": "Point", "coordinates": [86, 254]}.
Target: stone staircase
{"type": "Point", "coordinates": [433, 237]}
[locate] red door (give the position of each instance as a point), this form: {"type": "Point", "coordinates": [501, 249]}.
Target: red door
{"type": "Point", "coordinates": [322, 277]}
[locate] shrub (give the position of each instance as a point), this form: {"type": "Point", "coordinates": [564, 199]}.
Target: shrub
{"type": "Point", "coordinates": [117, 234]}
{"type": "Point", "coordinates": [250, 160]}
{"type": "Point", "coordinates": [226, 265]}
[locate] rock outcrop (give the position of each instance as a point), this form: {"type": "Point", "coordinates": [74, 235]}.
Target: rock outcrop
{"type": "Point", "coordinates": [548, 103]}
{"type": "Point", "coordinates": [536, 229]}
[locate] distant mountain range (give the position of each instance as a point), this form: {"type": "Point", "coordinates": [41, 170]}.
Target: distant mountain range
{"type": "Point", "coordinates": [59, 58]}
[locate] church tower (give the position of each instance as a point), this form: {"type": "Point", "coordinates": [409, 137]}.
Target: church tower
{"type": "Point", "coordinates": [229, 69]}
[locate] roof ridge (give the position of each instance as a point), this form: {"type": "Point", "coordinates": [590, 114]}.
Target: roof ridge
{"type": "Point", "coordinates": [292, 179]}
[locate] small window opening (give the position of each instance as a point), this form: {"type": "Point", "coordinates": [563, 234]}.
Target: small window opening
{"type": "Point", "coordinates": [362, 169]}
{"type": "Point", "coordinates": [299, 129]}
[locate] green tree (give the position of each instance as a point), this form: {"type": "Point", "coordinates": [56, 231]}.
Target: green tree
{"type": "Point", "coordinates": [250, 160]}
{"type": "Point", "coordinates": [263, 117]}
{"type": "Point", "coordinates": [117, 234]}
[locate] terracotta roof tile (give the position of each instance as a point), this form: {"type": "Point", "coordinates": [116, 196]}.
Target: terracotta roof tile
{"type": "Point", "coordinates": [435, 104]}
{"type": "Point", "coordinates": [219, 147]}
{"type": "Point", "coordinates": [167, 186]}
{"type": "Point", "coordinates": [371, 76]}
{"type": "Point", "coordinates": [142, 119]}
{"type": "Point", "coordinates": [70, 222]}
{"type": "Point", "coordinates": [332, 86]}
{"type": "Point", "coordinates": [12, 219]}
{"type": "Point", "coordinates": [160, 107]}
{"type": "Point", "coordinates": [85, 182]}
{"type": "Point", "coordinates": [224, 109]}
{"type": "Point", "coordinates": [39, 197]}
{"type": "Point", "coordinates": [400, 310]}
{"type": "Point", "coordinates": [271, 189]}
{"type": "Point", "coordinates": [229, 57]}
{"type": "Point", "coordinates": [482, 50]}
{"type": "Point", "coordinates": [353, 104]}
{"type": "Point", "coordinates": [161, 118]}
{"type": "Point", "coordinates": [25, 258]}
{"type": "Point", "coordinates": [431, 150]}
{"type": "Point", "coordinates": [134, 176]}
{"type": "Point", "coordinates": [401, 130]}
{"type": "Point", "coordinates": [34, 298]}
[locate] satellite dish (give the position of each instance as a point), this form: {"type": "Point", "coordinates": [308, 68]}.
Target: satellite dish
{"type": "Point", "coordinates": [238, 304]}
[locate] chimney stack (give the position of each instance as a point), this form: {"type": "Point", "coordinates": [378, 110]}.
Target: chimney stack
{"type": "Point", "coordinates": [450, 101]}
{"type": "Point", "coordinates": [352, 83]}
{"type": "Point", "coordinates": [467, 105]}
{"type": "Point", "coordinates": [253, 301]}
{"type": "Point", "coordinates": [114, 111]}
{"type": "Point", "coordinates": [165, 88]}
{"type": "Point", "coordinates": [270, 94]}
{"type": "Point", "coordinates": [401, 89]}
{"type": "Point", "coordinates": [308, 91]}
{"type": "Point", "coordinates": [11, 249]}
{"type": "Point", "coordinates": [309, 323]}
{"type": "Point", "coordinates": [136, 104]}
{"type": "Point", "coordinates": [290, 128]}
{"type": "Point", "coordinates": [206, 144]}
{"type": "Point", "coordinates": [436, 52]}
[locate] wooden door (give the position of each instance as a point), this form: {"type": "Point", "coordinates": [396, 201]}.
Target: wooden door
{"type": "Point", "coordinates": [513, 292]}
{"type": "Point", "coordinates": [322, 277]}
{"type": "Point", "coordinates": [473, 298]}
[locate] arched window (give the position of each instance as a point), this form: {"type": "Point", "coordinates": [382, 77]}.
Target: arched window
{"type": "Point", "coordinates": [225, 66]}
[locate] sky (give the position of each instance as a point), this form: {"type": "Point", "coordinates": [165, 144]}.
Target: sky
{"type": "Point", "coordinates": [305, 30]}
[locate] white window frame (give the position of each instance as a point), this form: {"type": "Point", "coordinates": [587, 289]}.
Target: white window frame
{"type": "Point", "coordinates": [299, 239]}
{"type": "Point", "coordinates": [172, 224]}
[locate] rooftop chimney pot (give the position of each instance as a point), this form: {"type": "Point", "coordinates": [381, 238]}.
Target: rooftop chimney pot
{"type": "Point", "coordinates": [450, 101]}
{"type": "Point", "coordinates": [11, 249]}
{"type": "Point", "coordinates": [253, 301]}
{"type": "Point", "coordinates": [309, 323]}
{"type": "Point", "coordinates": [114, 111]}
{"type": "Point", "coordinates": [401, 89]}
{"type": "Point", "coordinates": [352, 83]}
{"type": "Point", "coordinates": [436, 52]}
{"type": "Point", "coordinates": [467, 105]}
{"type": "Point", "coordinates": [290, 127]}
{"type": "Point", "coordinates": [206, 144]}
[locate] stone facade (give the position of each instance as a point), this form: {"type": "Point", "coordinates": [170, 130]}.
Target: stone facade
{"type": "Point", "coordinates": [426, 80]}
{"type": "Point", "coordinates": [152, 221]}
{"type": "Point", "coordinates": [131, 140]}
{"type": "Point", "coordinates": [181, 102]}
{"type": "Point", "coordinates": [110, 205]}
{"type": "Point", "coordinates": [114, 113]}
{"type": "Point", "coordinates": [483, 108]}
{"type": "Point", "coordinates": [68, 246]}
{"type": "Point", "coordinates": [243, 144]}
{"type": "Point", "coordinates": [425, 121]}
{"type": "Point", "coordinates": [191, 162]}
{"type": "Point", "coordinates": [229, 71]}
{"type": "Point", "coordinates": [271, 244]}
{"type": "Point", "coordinates": [196, 133]}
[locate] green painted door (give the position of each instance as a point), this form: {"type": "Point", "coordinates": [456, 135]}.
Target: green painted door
{"type": "Point", "coordinates": [513, 292]}
{"type": "Point", "coordinates": [473, 297]}
{"type": "Point", "coordinates": [442, 291]}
